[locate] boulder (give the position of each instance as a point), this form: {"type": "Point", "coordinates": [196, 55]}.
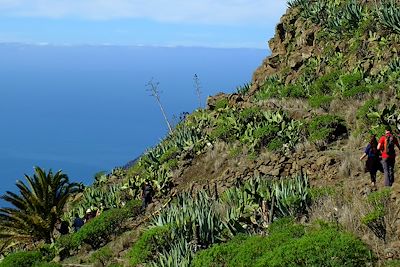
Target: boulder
{"type": "Point", "coordinates": [213, 100]}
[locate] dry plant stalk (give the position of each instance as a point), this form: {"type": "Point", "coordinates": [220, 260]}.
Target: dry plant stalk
{"type": "Point", "coordinates": [155, 92]}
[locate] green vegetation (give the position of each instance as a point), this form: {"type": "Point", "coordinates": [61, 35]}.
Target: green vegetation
{"type": "Point", "coordinates": [199, 221]}
{"type": "Point", "coordinates": [221, 104]}
{"type": "Point", "coordinates": [338, 57]}
{"type": "Point", "coordinates": [320, 101]}
{"type": "Point", "coordinates": [99, 230]}
{"type": "Point", "coordinates": [326, 128]}
{"type": "Point", "coordinates": [375, 219]}
{"type": "Point", "coordinates": [289, 245]}
{"type": "Point", "coordinates": [364, 110]}
{"type": "Point", "coordinates": [22, 259]}
{"type": "Point", "coordinates": [389, 15]}
{"type": "Point", "coordinates": [102, 256]}
{"type": "Point", "coordinates": [36, 208]}
{"type": "Point", "coordinates": [27, 259]}
{"type": "Point", "coordinates": [244, 89]}
{"type": "Point", "coordinates": [150, 242]}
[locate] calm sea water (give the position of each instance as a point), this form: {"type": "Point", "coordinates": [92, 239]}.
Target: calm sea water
{"type": "Point", "coordinates": [86, 109]}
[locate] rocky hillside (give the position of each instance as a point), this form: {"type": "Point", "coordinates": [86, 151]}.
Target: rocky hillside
{"type": "Point", "coordinates": [287, 144]}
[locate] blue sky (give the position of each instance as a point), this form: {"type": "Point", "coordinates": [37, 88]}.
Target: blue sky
{"type": "Point", "coordinates": [211, 23]}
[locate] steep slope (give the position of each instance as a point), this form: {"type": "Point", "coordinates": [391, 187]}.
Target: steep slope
{"type": "Point", "coordinates": [332, 80]}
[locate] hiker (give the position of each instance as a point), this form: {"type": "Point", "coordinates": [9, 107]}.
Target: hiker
{"type": "Point", "coordinates": [78, 222]}
{"type": "Point", "coordinates": [88, 216]}
{"type": "Point", "coordinates": [386, 146]}
{"type": "Point", "coordinates": [147, 194]}
{"type": "Point", "coordinates": [62, 227]}
{"type": "Point", "coordinates": [373, 163]}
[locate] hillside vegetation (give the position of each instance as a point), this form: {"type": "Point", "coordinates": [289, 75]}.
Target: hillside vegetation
{"type": "Point", "coordinates": [269, 175]}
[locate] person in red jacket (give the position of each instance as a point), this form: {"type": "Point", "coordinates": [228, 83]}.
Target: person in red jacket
{"type": "Point", "coordinates": [387, 145]}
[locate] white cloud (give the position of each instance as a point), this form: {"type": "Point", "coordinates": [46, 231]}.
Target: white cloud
{"type": "Point", "coordinates": [186, 11]}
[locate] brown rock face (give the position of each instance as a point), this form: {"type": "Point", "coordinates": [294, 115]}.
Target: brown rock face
{"type": "Point", "coordinates": [213, 100]}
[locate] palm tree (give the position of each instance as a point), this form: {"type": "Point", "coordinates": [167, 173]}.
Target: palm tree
{"type": "Point", "coordinates": [36, 208]}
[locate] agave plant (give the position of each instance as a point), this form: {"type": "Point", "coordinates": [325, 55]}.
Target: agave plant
{"type": "Point", "coordinates": [316, 11]}
{"type": "Point", "coordinates": [387, 116]}
{"type": "Point", "coordinates": [179, 255]}
{"type": "Point", "coordinates": [394, 65]}
{"type": "Point", "coordinates": [292, 196]}
{"type": "Point", "coordinates": [244, 89]}
{"type": "Point", "coordinates": [297, 3]}
{"type": "Point", "coordinates": [389, 15]}
{"type": "Point", "coordinates": [193, 218]}
{"type": "Point", "coordinates": [96, 198]}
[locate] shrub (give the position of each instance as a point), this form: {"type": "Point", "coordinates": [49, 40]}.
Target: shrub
{"type": "Point", "coordinates": [326, 128]}
{"type": "Point", "coordinates": [375, 219]}
{"type": "Point", "coordinates": [377, 87]}
{"type": "Point", "coordinates": [169, 154]}
{"type": "Point", "coordinates": [68, 243]}
{"type": "Point", "coordinates": [249, 248]}
{"type": "Point", "coordinates": [365, 109]}
{"type": "Point", "coordinates": [391, 263]}
{"type": "Point", "coordinates": [271, 88]}
{"type": "Point", "coordinates": [356, 91]}
{"type": "Point", "coordinates": [288, 244]}
{"type": "Point", "coordinates": [286, 228]}
{"type": "Point", "coordinates": [244, 250]}
{"type": "Point", "coordinates": [223, 131]}
{"type": "Point", "coordinates": [172, 164]}
{"type": "Point", "coordinates": [293, 90]}
{"type": "Point", "coordinates": [21, 259]}
{"type": "Point", "coordinates": [320, 101]}
{"type": "Point", "coordinates": [276, 144]}
{"type": "Point", "coordinates": [48, 251]}
{"type": "Point", "coordinates": [221, 103]}
{"type": "Point", "coordinates": [323, 247]}
{"type": "Point", "coordinates": [150, 242]}
{"type": "Point", "coordinates": [266, 133]}
{"type": "Point", "coordinates": [100, 229]}
{"type": "Point", "coordinates": [102, 256]}
{"type": "Point", "coordinates": [348, 81]}
{"type": "Point", "coordinates": [249, 114]}
{"type": "Point", "coordinates": [325, 85]}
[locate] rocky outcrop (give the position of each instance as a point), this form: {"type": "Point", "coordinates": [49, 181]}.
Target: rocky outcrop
{"type": "Point", "coordinates": [230, 99]}
{"type": "Point", "coordinates": [297, 40]}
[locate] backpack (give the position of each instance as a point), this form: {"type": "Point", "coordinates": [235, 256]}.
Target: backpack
{"type": "Point", "coordinates": [389, 145]}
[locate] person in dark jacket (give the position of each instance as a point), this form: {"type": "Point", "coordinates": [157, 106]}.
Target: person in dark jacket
{"type": "Point", "coordinates": [78, 222]}
{"type": "Point", "coordinates": [62, 227]}
{"type": "Point", "coordinates": [373, 163]}
{"type": "Point", "coordinates": [147, 194]}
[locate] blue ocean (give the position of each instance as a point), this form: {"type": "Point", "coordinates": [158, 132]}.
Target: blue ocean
{"type": "Point", "coordinates": [85, 109]}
